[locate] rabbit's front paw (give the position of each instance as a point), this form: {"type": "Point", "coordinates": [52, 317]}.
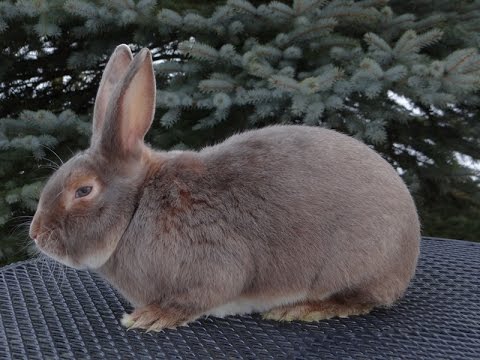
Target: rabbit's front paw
{"type": "Point", "coordinates": [154, 318]}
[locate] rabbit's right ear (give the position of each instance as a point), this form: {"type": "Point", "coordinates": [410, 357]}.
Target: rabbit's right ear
{"type": "Point", "coordinates": [113, 73]}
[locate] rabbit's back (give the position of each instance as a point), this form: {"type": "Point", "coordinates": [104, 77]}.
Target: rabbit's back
{"type": "Point", "coordinates": [312, 200]}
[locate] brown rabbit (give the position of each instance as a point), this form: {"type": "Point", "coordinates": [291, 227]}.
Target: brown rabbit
{"type": "Point", "coordinates": [300, 223]}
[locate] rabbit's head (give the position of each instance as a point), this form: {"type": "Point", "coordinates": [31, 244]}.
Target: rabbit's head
{"type": "Point", "coordinates": [89, 201]}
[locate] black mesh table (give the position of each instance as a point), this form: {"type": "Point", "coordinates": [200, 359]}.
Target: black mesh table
{"type": "Point", "coordinates": [58, 313]}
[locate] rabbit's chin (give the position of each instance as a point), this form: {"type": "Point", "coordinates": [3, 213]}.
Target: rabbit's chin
{"type": "Point", "coordinates": [64, 260]}
{"type": "Point", "coordinates": [88, 262]}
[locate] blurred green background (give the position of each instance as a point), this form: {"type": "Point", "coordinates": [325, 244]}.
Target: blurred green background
{"type": "Point", "coordinates": [402, 76]}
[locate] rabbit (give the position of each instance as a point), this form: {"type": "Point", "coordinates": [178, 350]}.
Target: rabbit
{"type": "Point", "coordinates": [291, 221]}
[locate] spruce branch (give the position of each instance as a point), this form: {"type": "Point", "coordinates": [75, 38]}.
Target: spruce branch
{"type": "Point", "coordinates": [221, 101]}
{"type": "Point", "coordinates": [292, 52]}
{"type": "Point", "coordinates": [372, 3]}
{"type": "Point", "coordinates": [168, 67]}
{"type": "Point", "coordinates": [399, 23]}
{"type": "Point", "coordinates": [435, 20]}
{"type": "Point", "coordinates": [81, 8]}
{"type": "Point", "coordinates": [236, 27]}
{"type": "Point", "coordinates": [216, 85]}
{"type": "Point", "coordinates": [45, 28]}
{"type": "Point", "coordinates": [463, 61]}
{"type": "Point", "coordinates": [198, 51]}
{"type": "Point", "coordinates": [121, 5]}
{"type": "Point", "coordinates": [255, 96]}
{"type": "Point", "coordinates": [299, 105]}
{"type": "Point", "coordinates": [8, 10]}
{"type": "Point", "coordinates": [377, 43]}
{"type": "Point", "coordinates": [461, 71]}
{"type": "Point", "coordinates": [439, 99]}
{"type": "Point", "coordinates": [220, 15]}
{"type": "Point", "coordinates": [205, 103]}
{"type": "Point", "coordinates": [220, 114]}
{"type": "Point", "coordinates": [229, 55]}
{"type": "Point", "coordinates": [371, 67]}
{"type": "Point", "coordinates": [429, 38]}
{"type": "Point", "coordinates": [170, 18]}
{"type": "Point", "coordinates": [334, 40]}
{"type": "Point", "coordinates": [146, 6]}
{"type": "Point", "coordinates": [128, 17]}
{"type": "Point", "coordinates": [375, 131]}
{"type": "Point", "coordinates": [32, 8]}
{"type": "Point", "coordinates": [319, 29]}
{"type": "Point", "coordinates": [410, 43]}
{"type": "Point", "coordinates": [287, 84]}
{"type": "Point", "coordinates": [259, 68]}
{"type": "Point", "coordinates": [170, 117]}
{"type": "Point", "coordinates": [278, 8]}
{"type": "Point", "coordinates": [373, 89]}
{"type": "Point", "coordinates": [302, 7]}
{"type": "Point", "coordinates": [334, 102]}
{"type": "Point", "coordinates": [349, 13]}
{"type": "Point", "coordinates": [168, 99]}
{"type": "Point", "coordinates": [242, 6]}
{"type": "Point", "coordinates": [3, 25]}
{"type": "Point", "coordinates": [314, 113]}
{"type": "Point", "coordinates": [343, 88]}
{"type": "Point", "coordinates": [196, 22]}
{"type": "Point", "coordinates": [396, 73]}
{"type": "Point", "coordinates": [267, 52]}
{"type": "Point", "coordinates": [322, 82]}
{"type": "Point", "coordinates": [263, 111]}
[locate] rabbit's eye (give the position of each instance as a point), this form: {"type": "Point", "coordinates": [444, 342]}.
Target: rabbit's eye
{"type": "Point", "coordinates": [83, 191]}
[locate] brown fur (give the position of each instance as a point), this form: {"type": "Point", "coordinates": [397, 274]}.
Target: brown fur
{"type": "Point", "coordinates": [315, 311]}
{"type": "Point", "coordinates": [286, 217]}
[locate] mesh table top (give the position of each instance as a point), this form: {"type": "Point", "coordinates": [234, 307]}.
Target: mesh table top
{"type": "Point", "coordinates": [48, 312]}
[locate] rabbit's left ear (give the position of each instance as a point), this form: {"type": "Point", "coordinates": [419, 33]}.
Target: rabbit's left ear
{"type": "Point", "coordinates": [114, 71]}
{"type": "Point", "coordinates": [131, 108]}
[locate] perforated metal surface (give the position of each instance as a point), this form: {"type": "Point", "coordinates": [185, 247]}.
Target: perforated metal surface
{"type": "Point", "coordinates": [61, 313]}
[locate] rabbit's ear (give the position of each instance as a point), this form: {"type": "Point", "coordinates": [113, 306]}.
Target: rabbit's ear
{"type": "Point", "coordinates": [131, 109]}
{"type": "Point", "coordinates": [114, 72]}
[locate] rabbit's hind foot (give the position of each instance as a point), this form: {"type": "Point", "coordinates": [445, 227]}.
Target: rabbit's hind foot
{"type": "Point", "coordinates": [316, 311]}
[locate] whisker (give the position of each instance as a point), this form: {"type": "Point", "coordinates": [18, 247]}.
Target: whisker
{"type": "Point", "coordinates": [41, 178]}
{"type": "Point", "coordinates": [51, 261]}
{"type": "Point", "coordinates": [21, 217]}
{"type": "Point", "coordinates": [56, 270]}
{"type": "Point", "coordinates": [44, 261]}
{"type": "Point", "coordinates": [63, 275]}
{"type": "Point", "coordinates": [71, 151]}
{"type": "Point", "coordinates": [25, 248]}
{"type": "Point", "coordinates": [48, 262]}
{"type": "Point", "coordinates": [63, 267]}
{"type": "Point", "coordinates": [52, 163]}
{"type": "Point", "coordinates": [58, 157]}
{"type": "Point", "coordinates": [49, 167]}
{"type": "Point", "coordinates": [20, 229]}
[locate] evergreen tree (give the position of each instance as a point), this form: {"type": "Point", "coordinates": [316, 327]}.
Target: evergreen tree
{"type": "Point", "coordinates": [402, 76]}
